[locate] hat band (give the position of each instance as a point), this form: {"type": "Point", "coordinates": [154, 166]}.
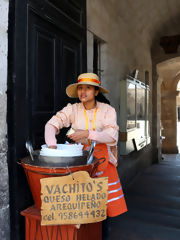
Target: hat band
{"type": "Point", "coordinates": [89, 80]}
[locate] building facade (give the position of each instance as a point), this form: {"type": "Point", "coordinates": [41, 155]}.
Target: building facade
{"type": "Point", "coordinates": [48, 43]}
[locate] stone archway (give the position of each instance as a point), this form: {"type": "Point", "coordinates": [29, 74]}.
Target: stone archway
{"type": "Point", "coordinates": [169, 76]}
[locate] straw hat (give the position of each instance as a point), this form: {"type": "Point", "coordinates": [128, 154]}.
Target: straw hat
{"type": "Point", "coordinates": [85, 78]}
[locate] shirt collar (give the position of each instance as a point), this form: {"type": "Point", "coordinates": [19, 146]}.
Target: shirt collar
{"type": "Point", "coordinates": [82, 106]}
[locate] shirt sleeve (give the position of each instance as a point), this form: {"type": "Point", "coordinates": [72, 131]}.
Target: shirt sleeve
{"type": "Point", "coordinates": [50, 135]}
{"type": "Point", "coordinates": [109, 133]}
{"type": "Point", "coordinates": [63, 118]}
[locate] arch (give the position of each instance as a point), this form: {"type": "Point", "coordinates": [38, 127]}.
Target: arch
{"type": "Point", "coordinates": [169, 76]}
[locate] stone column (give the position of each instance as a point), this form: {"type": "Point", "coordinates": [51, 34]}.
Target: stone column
{"type": "Point", "coordinates": [156, 116]}
{"type": "Point", "coordinates": [158, 123]}
{"type": "Point", "coordinates": [169, 121]}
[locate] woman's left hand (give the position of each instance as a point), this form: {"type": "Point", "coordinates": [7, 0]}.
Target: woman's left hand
{"type": "Point", "coordinates": [79, 135]}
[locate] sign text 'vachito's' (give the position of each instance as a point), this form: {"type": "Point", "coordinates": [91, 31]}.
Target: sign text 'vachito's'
{"type": "Point", "coordinates": [73, 200]}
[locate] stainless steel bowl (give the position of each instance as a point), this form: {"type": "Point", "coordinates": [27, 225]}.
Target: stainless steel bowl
{"type": "Point", "coordinates": [46, 161]}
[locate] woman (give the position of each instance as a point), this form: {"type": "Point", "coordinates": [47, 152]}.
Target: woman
{"type": "Point", "coordinates": [92, 120]}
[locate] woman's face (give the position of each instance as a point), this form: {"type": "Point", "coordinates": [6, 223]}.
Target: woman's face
{"type": "Point", "coordinates": [86, 93]}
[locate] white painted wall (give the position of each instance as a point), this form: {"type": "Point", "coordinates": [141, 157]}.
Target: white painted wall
{"type": "Point", "coordinates": [3, 65]}
{"type": "Point", "coordinates": [127, 47]}
{"type": "Point", "coordinates": [123, 50]}
{"type": "Point", "coordinates": [4, 186]}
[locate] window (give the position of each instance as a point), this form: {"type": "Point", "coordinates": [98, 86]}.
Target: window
{"type": "Point", "coordinates": [134, 115]}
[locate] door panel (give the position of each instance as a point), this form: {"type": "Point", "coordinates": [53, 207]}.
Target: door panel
{"type": "Point", "coordinates": [43, 89]}
{"type": "Point", "coordinates": [53, 64]}
{"type": "Point", "coordinates": [47, 51]}
{"type": "Point", "coordinates": [70, 8]}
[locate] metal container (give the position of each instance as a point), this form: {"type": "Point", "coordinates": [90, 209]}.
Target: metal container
{"type": "Point", "coordinates": [45, 167]}
{"type": "Point", "coordinates": [64, 161]}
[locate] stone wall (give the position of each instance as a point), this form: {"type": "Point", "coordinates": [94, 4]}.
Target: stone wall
{"type": "Point", "coordinates": [4, 187]}
{"type": "Point", "coordinates": [178, 101]}
{"type": "Point", "coordinates": [122, 51]}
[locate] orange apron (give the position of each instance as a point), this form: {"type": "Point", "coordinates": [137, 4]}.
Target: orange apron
{"type": "Point", "coordinates": [116, 204]}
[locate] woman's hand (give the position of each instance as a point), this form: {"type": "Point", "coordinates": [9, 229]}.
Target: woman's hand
{"type": "Point", "coordinates": [52, 147]}
{"type": "Point", "coordinates": [79, 135]}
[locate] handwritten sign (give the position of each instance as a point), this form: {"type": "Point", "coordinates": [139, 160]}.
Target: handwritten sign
{"type": "Point", "coordinates": [73, 199]}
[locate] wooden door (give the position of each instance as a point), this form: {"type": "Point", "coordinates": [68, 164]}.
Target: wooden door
{"type": "Point", "coordinates": [47, 51]}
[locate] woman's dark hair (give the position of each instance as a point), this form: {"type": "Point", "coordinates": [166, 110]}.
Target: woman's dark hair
{"type": "Point", "coordinates": [101, 98]}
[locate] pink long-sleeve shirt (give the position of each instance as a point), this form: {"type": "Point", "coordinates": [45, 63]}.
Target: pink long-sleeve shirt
{"type": "Point", "coordinates": [106, 128]}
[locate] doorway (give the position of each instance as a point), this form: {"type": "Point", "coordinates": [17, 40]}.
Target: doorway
{"type": "Point", "coordinates": [168, 72]}
{"type": "Point", "coordinates": [46, 52]}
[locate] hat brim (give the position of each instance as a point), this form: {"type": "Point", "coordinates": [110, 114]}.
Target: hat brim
{"type": "Point", "coordinates": [71, 90]}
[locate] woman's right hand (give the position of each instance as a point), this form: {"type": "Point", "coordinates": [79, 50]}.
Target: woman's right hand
{"type": "Point", "coordinates": [79, 135]}
{"type": "Point", "coordinates": [52, 147]}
